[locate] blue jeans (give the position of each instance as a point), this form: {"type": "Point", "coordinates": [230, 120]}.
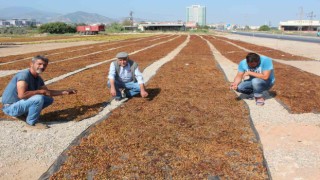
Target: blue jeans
{"type": "Point", "coordinates": [132, 88]}
{"type": "Point", "coordinates": [31, 106]}
{"type": "Point", "coordinates": [255, 86]}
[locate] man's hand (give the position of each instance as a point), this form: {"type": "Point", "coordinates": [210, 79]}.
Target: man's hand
{"type": "Point", "coordinates": [113, 91]}
{"type": "Point", "coordinates": [143, 93]}
{"type": "Point", "coordinates": [234, 86]}
{"type": "Point", "coordinates": [69, 91]}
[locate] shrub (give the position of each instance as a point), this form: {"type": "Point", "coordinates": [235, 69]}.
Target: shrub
{"type": "Point", "coordinates": [57, 28]}
{"type": "Point", "coordinates": [13, 30]}
{"type": "Point", "coordinates": [264, 28]}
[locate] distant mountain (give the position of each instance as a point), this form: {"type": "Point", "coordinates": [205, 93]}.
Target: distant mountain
{"type": "Point", "coordinates": [26, 13]}
{"type": "Point", "coordinates": [44, 17]}
{"type": "Point", "coordinates": [83, 17]}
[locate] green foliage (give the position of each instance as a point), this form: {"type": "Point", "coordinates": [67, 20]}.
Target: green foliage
{"type": "Point", "coordinates": [57, 28]}
{"type": "Point", "coordinates": [115, 27]}
{"type": "Point", "coordinates": [203, 27]}
{"type": "Point", "coordinates": [247, 28]}
{"type": "Point", "coordinates": [199, 30]}
{"type": "Point", "coordinates": [13, 30]}
{"type": "Point", "coordinates": [126, 22]}
{"type": "Point", "coordinates": [264, 28]}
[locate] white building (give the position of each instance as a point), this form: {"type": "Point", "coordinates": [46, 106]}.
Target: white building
{"type": "Point", "coordinates": [17, 22]}
{"type": "Point", "coordinates": [162, 26]}
{"type": "Point", "coordinates": [299, 25]}
{"type": "Point", "coordinates": [196, 14]}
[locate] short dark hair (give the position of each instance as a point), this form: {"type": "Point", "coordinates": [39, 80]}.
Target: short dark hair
{"type": "Point", "coordinates": [253, 57]}
{"type": "Point", "coordinates": [43, 58]}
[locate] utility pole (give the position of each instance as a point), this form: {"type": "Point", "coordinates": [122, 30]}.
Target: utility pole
{"type": "Point", "coordinates": [311, 16]}
{"type": "Point", "coordinates": [301, 14]}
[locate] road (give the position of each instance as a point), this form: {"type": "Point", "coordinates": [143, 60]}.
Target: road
{"type": "Point", "coordinates": [281, 36]}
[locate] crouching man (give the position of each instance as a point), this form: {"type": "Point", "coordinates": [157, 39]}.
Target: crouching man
{"type": "Point", "coordinates": [26, 94]}
{"type": "Point", "coordinates": [125, 78]}
{"type": "Point", "coordinates": [257, 74]}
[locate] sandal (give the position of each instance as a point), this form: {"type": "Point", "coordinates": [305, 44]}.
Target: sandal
{"type": "Point", "coordinates": [260, 101]}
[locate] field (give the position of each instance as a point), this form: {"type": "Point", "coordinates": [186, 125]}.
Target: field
{"type": "Point", "coordinates": [190, 127]}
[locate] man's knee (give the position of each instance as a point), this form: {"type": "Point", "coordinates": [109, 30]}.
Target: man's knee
{"type": "Point", "coordinates": [241, 87]}
{"type": "Point", "coordinates": [38, 99]}
{"type": "Point", "coordinates": [258, 82]}
{"type": "Point", "coordinates": [245, 87]}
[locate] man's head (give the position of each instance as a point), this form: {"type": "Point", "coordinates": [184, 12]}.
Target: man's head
{"type": "Point", "coordinates": [253, 60]}
{"type": "Point", "coordinates": [122, 58]}
{"type": "Point", "coordinates": [39, 64]}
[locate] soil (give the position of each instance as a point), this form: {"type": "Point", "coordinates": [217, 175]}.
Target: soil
{"type": "Point", "coordinates": [187, 135]}
{"type": "Point", "coordinates": [178, 132]}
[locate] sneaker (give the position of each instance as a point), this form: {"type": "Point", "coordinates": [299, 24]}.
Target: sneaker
{"type": "Point", "coordinates": [123, 93]}
{"type": "Point", "coordinates": [39, 126]}
{"type": "Point", "coordinates": [260, 101]}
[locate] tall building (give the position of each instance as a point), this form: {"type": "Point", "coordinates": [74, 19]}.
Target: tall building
{"type": "Point", "coordinates": [196, 14]}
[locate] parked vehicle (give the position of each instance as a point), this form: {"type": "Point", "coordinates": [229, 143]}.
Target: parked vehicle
{"type": "Point", "coordinates": [90, 29]}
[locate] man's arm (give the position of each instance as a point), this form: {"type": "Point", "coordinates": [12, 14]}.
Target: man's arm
{"type": "Point", "coordinates": [264, 75]}
{"type": "Point", "coordinates": [111, 77]}
{"type": "Point", "coordinates": [113, 91]}
{"type": "Point", "coordinates": [140, 81]}
{"type": "Point", "coordinates": [237, 80]}
{"type": "Point", "coordinates": [58, 92]}
{"type": "Point", "coordinates": [22, 87]}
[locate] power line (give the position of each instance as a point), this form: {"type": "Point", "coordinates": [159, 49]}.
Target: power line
{"type": "Point", "coordinates": [311, 16]}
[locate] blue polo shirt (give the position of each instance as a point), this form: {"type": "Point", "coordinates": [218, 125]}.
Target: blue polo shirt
{"type": "Point", "coordinates": [10, 94]}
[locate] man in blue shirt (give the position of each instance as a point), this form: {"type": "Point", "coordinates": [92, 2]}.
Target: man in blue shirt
{"type": "Point", "coordinates": [26, 94]}
{"type": "Point", "coordinates": [125, 78]}
{"type": "Point", "coordinates": [257, 74]}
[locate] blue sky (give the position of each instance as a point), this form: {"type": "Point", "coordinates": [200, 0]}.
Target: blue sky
{"type": "Point", "coordinates": [243, 12]}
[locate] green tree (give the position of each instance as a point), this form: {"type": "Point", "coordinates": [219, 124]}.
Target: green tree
{"type": "Point", "coordinates": [115, 27]}
{"type": "Point", "coordinates": [126, 22]}
{"type": "Point", "coordinates": [57, 28]}
{"type": "Point", "coordinates": [264, 28]}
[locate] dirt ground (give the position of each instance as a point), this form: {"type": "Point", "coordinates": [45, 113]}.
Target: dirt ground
{"type": "Point", "coordinates": [173, 137]}
{"type": "Point", "coordinates": [293, 133]}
